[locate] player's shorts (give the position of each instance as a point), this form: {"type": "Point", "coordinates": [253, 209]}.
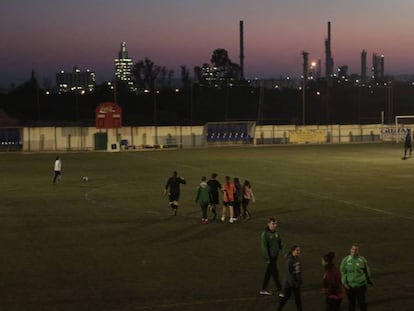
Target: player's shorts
{"type": "Point", "coordinates": [228, 203]}
{"type": "Point", "coordinates": [174, 197]}
{"type": "Point", "coordinates": [215, 198]}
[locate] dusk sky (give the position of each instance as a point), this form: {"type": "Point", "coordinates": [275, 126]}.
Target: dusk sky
{"type": "Point", "coordinates": [53, 35]}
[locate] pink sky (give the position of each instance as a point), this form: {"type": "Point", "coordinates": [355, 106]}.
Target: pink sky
{"type": "Point", "coordinates": [48, 36]}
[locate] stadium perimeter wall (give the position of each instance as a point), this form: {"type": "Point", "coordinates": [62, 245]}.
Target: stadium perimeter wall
{"type": "Point", "coordinates": [36, 139]}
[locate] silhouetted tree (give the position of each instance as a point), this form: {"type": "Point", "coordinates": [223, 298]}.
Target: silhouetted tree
{"type": "Point", "coordinates": [221, 71]}
{"type": "Point", "coordinates": [220, 58]}
{"type": "Point", "coordinates": [227, 69]}
{"type": "Point", "coordinates": [198, 72]}
{"type": "Point", "coordinates": [185, 77]}
{"type": "Point", "coordinates": [165, 77]}
{"type": "Point", "coordinates": [25, 100]}
{"type": "Point", "coordinates": [145, 73]}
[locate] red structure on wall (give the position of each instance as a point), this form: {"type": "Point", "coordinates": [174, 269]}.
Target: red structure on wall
{"type": "Point", "coordinates": [108, 115]}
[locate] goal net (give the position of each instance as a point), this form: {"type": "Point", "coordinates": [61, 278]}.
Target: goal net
{"type": "Point", "coordinates": [402, 124]}
{"type": "Point", "coordinates": [229, 132]}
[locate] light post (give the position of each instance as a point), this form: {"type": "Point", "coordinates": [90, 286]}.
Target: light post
{"type": "Point", "coordinates": [191, 106]}
{"type": "Point", "coordinates": [305, 56]}
{"type": "Point", "coordinates": [390, 117]}
{"type": "Point", "coordinates": [155, 112]}
{"type": "Point", "coordinates": [227, 103]}
{"type": "Point", "coordinates": [303, 101]}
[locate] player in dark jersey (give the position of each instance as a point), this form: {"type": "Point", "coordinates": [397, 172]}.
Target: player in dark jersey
{"type": "Point", "coordinates": [172, 188]}
{"type": "Point", "coordinates": [215, 188]}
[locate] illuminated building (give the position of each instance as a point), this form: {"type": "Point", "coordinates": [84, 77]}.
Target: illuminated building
{"type": "Point", "coordinates": [77, 81]}
{"type": "Point", "coordinates": [123, 67]}
{"type": "Point", "coordinates": [377, 67]}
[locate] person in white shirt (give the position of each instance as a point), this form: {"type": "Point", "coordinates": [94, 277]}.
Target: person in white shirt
{"type": "Point", "coordinates": [57, 169]}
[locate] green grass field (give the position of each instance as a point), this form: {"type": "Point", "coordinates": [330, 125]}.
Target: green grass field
{"type": "Point", "coordinates": [111, 244]}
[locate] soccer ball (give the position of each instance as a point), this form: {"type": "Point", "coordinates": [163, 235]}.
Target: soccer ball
{"type": "Point", "coordinates": [85, 178]}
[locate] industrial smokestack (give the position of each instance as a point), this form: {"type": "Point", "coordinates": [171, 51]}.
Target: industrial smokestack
{"type": "Point", "coordinates": [241, 51]}
{"type": "Point", "coordinates": [328, 54]}
{"type": "Point", "coordinates": [305, 65]}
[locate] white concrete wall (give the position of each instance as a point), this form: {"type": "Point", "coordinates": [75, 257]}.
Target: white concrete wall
{"type": "Point", "coordinates": [82, 138]}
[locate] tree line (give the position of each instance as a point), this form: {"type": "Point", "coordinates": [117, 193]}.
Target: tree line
{"type": "Point", "coordinates": [227, 97]}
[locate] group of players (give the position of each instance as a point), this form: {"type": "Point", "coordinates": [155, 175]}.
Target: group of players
{"type": "Point", "coordinates": [236, 197]}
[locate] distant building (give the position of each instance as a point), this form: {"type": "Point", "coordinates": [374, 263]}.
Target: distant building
{"type": "Point", "coordinates": [123, 67]}
{"type": "Point", "coordinates": [363, 66]}
{"type": "Point", "coordinates": [314, 72]}
{"type": "Point", "coordinates": [377, 67]}
{"type": "Point", "coordinates": [215, 76]}
{"type": "Point", "coordinates": [343, 72]}
{"type": "Point", "coordinates": [211, 75]}
{"type": "Point", "coordinates": [77, 81]}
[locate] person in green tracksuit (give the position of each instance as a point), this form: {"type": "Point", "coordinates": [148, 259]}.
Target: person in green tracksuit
{"type": "Point", "coordinates": [203, 198]}
{"type": "Point", "coordinates": [271, 246]}
{"type": "Point", "coordinates": [355, 276]}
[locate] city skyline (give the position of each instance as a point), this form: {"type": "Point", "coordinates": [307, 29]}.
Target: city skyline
{"type": "Point", "coordinates": [49, 36]}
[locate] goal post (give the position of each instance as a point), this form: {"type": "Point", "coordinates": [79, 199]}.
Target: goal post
{"type": "Point", "coordinates": [402, 124]}
{"type": "Point", "coordinates": [229, 132]}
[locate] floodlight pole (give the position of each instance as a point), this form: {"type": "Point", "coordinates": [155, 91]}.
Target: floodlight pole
{"type": "Point", "coordinates": [155, 112]}
{"type": "Point", "coordinates": [305, 77]}
{"type": "Point", "coordinates": [389, 103]}
{"type": "Point", "coordinates": [303, 101]}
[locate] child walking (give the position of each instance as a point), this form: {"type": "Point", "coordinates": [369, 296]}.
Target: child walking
{"type": "Point", "coordinates": [203, 198]}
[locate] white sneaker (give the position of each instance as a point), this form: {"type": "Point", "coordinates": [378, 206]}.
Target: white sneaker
{"type": "Point", "coordinates": [265, 292]}
{"type": "Point", "coordinates": [223, 219]}
{"type": "Point", "coordinates": [231, 220]}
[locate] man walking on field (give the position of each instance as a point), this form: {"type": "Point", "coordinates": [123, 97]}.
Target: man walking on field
{"type": "Point", "coordinates": [271, 246]}
{"type": "Point", "coordinates": [407, 144]}
{"type": "Point", "coordinates": [57, 170]}
{"type": "Point", "coordinates": [172, 188]}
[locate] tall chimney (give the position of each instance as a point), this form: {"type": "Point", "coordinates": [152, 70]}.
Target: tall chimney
{"type": "Point", "coordinates": [241, 51]}
{"type": "Point", "coordinates": [305, 68]}
{"type": "Point", "coordinates": [328, 54]}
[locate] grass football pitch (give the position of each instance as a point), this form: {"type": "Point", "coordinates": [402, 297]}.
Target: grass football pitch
{"type": "Point", "coordinates": [111, 243]}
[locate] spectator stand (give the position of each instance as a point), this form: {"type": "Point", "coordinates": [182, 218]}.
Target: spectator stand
{"type": "Point", "coordinates": [229, 133]}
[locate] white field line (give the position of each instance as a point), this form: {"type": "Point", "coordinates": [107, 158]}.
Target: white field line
{"type": "Point", "coordinates": [307, 193]}
{"type": "Point", "coordinates": [353, 204]}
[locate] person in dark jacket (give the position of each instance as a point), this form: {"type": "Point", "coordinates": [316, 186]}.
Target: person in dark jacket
{"type": "Point", "coordinates": [407, 144]}
{"type": "Point", "coordinates": [271, 246]}
{"type": "Point", "coordinates": [238, 197]}
{"type": "Point", "coordinates": [332, 286]}
{"type": "Point", "coordinates": [203, 198]}
{"type": "Point", "coordinates": [293, 279]}
{"type": "Point", "coordinates": [215, 188]}
{"type": "Point", "coordinates": [172, 188]}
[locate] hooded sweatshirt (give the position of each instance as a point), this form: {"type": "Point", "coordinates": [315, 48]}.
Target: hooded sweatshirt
{"type": "Point", "coordinates": [203, 194]}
